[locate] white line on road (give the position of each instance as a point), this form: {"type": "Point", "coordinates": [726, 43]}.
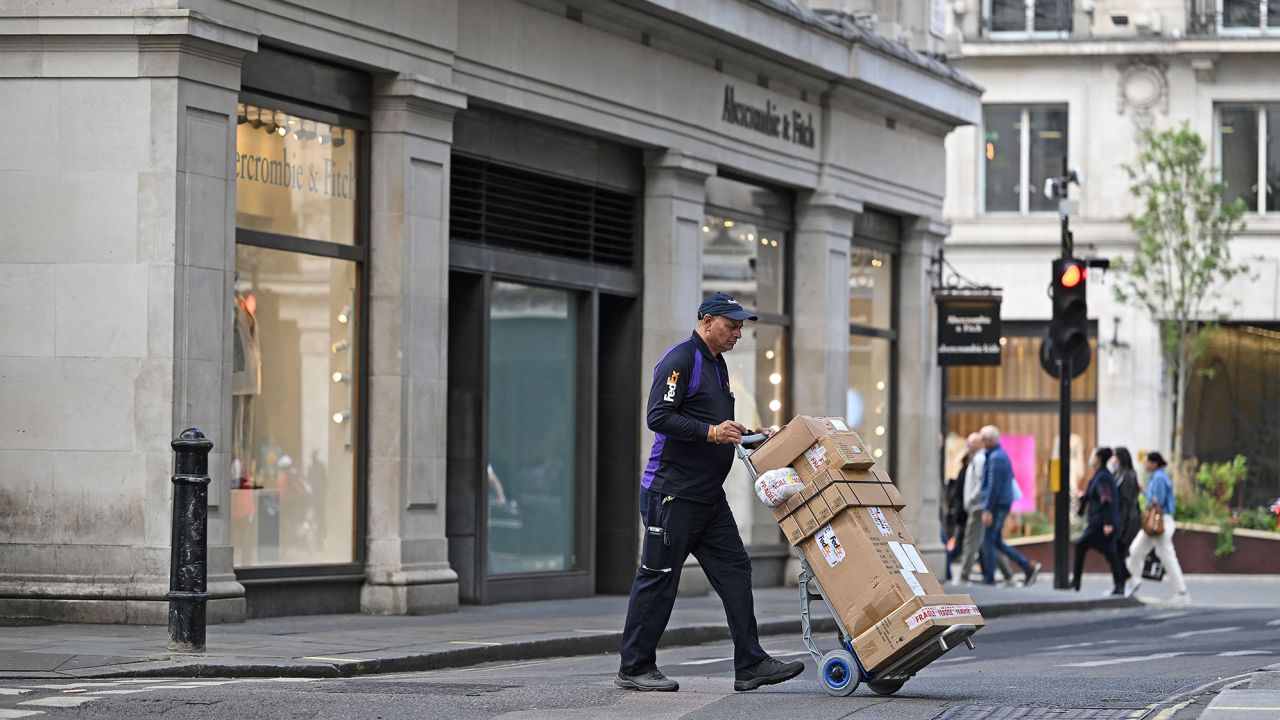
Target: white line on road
{"type": "Point", "coordinates": [961, 658]}
{"type": "Point", "coordinates": [1210, 631]}
{"type": "Point", "coordinates": [707, 661]}
{"type": "Point", "coordinates": [6, 713]}
{"type": "Point", "coordinates": [1274, 622]}
{"type": "Point", "coordinates": [1241, 653]}
{"type": "Point", "coordinates": [1083, 644]}
{"type": "Point", "coordinates": [61, 701]}
{"type": "Point", "coordinates": [13, 691]}
{"type": "Point", "coordinates": [1166, 616]}
{"type": "Point", "coordinates": [1121, 661]}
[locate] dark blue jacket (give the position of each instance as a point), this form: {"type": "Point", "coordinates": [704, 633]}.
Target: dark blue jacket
{"type": "Point", "coordinates": [997, 480]}
{"type": "Point", "coordinates": [1100, 500]}
{"type": "Point", "coordinates": [690, 393]}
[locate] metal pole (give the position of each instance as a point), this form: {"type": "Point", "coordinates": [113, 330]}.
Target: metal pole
{"type": "Point", "coordinates": [1062, 500]}
{"type": "Point", "coordinates": [188, 567]}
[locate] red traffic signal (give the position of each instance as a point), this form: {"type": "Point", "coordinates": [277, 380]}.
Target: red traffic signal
{"type": "Point", "coordinates": [1073, 275]}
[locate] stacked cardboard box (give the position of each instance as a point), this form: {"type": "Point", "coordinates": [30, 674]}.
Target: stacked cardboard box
{"type": "Point", "coordinates": [845, 523]}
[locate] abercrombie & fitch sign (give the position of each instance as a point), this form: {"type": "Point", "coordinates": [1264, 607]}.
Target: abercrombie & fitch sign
{"type": "Point", "coordinates": [794, 126]}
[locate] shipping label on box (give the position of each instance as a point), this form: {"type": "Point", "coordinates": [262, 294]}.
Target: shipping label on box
{"type": "Point", "coordinates": [895, 634]}
{"type": "Point", "coordinates": [937, 612]}
{"type": "Point", "coordinates": [832, 551]}
{"type": "Point", "coordinates": [784, 446]}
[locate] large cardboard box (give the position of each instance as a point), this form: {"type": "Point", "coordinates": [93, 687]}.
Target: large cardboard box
{"type": "Point", "coordinates": [913, 623]}
{"type": "Point", "coordinates": [838, 451]}
{"type": "Point", "coordinates": [791, 442]}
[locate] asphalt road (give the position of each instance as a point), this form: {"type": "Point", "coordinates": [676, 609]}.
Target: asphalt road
{"type": "Point", "coordinates": [1152, 663]}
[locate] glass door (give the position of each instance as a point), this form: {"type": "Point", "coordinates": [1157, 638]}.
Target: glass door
{"type": "Point", "coordinates": [532, 469]}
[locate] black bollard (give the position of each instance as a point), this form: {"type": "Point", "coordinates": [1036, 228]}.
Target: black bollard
{"type": "Point", "coordinates": [188, 567]}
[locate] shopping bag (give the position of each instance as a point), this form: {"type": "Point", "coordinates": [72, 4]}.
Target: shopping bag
{"type": "Point", "coordinates": [1152, 568]}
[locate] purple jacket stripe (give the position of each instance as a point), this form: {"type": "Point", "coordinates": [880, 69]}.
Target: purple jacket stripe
{"type": "Point", "coordinates": [658, 441]}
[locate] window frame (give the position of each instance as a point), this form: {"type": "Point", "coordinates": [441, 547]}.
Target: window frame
{"type": "Point", "coordinates": [1024, 161]}
{"type": "Point", "coordinates": [1260, 118]}
{"type": "Point", "coordinates": [1029, 32]}
{"type": "Point", "coordinates": [1245, 30]}
{"type": "Point", "coordinates": [889, 334]}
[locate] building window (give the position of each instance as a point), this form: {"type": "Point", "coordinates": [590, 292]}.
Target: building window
{"type": "Point", "coordinates": [1248, 149]}
{"type": "Point", "coordinates": [1249, 16]}
{"type": "Point", "coordinates": [745, 236]}
{"type": "Point", "coordinates": [1022, 146]}
{"type": "Point", "coordinates": [1028, 18]}
{"type": "Point", "coordinates": [297, 340]}
{"type": "Point", "coordinates": [869, 399]}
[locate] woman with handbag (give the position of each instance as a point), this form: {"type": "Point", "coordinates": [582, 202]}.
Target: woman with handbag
{"type": "Point", "coordinates": [1099, 501]}
{"type": "Point", "coordinates": [1157, 532]}
{"type": "Point", "coordinates": [1129, 515]}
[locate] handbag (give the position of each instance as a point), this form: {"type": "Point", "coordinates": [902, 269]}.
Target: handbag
{"type": "Point", "coordinates": [1153, 520]}
{"type": "Point", "coordinates": [1152, 568]}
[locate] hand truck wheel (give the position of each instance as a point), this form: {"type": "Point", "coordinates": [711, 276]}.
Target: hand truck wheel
{"type": "Point", "coordinates": [885, 687]}
{"type": "Point", "coordinates": [838, 673]}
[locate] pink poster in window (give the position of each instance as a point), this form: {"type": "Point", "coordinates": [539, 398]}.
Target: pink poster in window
{"type": "Point", "coordinates": [1022, 454]}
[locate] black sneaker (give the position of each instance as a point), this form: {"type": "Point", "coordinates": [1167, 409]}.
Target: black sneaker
{"type": "Point", "coordinates": [767, 672]}
{"type": "Point", "coordinates": [646, 681]}
{"type": "Point", "coordinates": [1033, 572]}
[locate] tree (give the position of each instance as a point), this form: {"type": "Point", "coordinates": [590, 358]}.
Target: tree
{"type": "Point", "coordinates": [1183, 256]}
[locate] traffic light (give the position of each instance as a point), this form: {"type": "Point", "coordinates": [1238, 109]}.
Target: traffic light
{"type": "Point", "coordinates": [1069, 331]}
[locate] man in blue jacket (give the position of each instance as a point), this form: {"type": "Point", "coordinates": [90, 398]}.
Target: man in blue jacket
{"type": "Point", "coordinates": [684, 509]}
{"type": "Point", "coordinates": [997, 499]}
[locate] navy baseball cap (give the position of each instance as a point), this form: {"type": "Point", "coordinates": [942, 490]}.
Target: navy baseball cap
{"type": "Point", "coordinates": [721, 304]}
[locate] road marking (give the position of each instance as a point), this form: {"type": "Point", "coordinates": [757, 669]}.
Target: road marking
{"type": "Point", "coordinates": [707, 661]}
{"type": "Point", "coordinates": [1121, 661]}
{"type": "Point", "coordinates": [1083, 644]}
{"type": "Point", "coordinates": [961, 658]}
{"type": "Point", "coordinates": [335, 659]}
{"type": "Point", "coordinates": [13, 691]}
{"type": "Point", "coordinates": [6, 713]}
{"type": "Point", "coordinates": [1242, 653]}
{"type": "Point", "coordinates": [1245, 707]}
{"type": "Point", "coordinates": [474, 642]}
{"type": "Point", "coordinates": [62, 702]}
{"type": "Point", "coordinates": [594, 632]}
{"type": "Point", "coordinates": [123, 692]}
{"type": "Point", "coordinates": [1166, 616]}
{"type": "Point", "coordinates": [1274, 622]}
{"type": "Point", "coordinates": [1210, 631]}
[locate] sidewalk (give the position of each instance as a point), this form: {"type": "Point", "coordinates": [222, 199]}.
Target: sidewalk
{"type": "Point", "coordinates": [345, 645]}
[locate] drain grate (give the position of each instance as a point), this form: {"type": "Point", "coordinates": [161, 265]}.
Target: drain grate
{"type": "Point", "coordinates": [977, 712]}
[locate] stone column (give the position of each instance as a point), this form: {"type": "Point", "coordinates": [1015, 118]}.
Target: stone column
{"type": "Point", "coordinates": [408, 560]}
{"type": "Point", "coordinates": [920, 388]}
{"type": "Point", "coordinates": [674, 196]}
{"type": "Point", "coordinates": [117, 185]}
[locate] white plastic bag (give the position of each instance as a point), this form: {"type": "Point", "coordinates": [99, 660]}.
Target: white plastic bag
{"type": "Point", "coordinates": [776, 486]}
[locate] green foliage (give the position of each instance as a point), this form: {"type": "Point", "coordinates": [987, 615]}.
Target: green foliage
{"type": "Point", "coordinates": [1219, 480]}
{"type": "Point", "coordinates": [1037, 523]}
{"type": "Point", "coordinates": [1226, 539]}
{"type": "Point", "coordinates": [1259, 518]}
{"type": "Point", "coordinates": [1184, 231]}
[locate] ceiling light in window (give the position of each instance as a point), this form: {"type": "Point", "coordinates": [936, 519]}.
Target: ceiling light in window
{"type": "Point", "coordinates": [340, 138]}
{"type": "Point", "coordinates": [340, 345]}
{"type": "Point", "coordinates": [728, 223]}
{"type": "Point", "coordinates": [880, 385]}
{"type": "Point", "coordinates": [257, 118]}
{"type": "Point", "coordinates": [764, 241]}
{"type": "Point", "coordinates": [344, 315]}
{"type": "Point", "coordinates": [775, 378]}
{"type": "Point", "coordinates": [242, 114]}
{"type": "Point", "coordinates": [341, 377]}
{"type": "Point", "coordinates": [878, 453]}
{"type": "Point", "coordinates": [775, 405]}
{"type": "Point", "coordinates": [880, 430]}
{"type": "Point", "coordinates": [1005, 341]}
{"type": "Point", "coordinates": [879, 409]}
{"type": "Point", "coordinates": [341, 417]}
{"type": "Point", "coordinates": [751, 236]}
{"type": "Point", "coordinates": [773, 243]}
{"type": "Point", "coordinates": [706, 229]}
{"type": "Point", "coordinates": [768, 354]}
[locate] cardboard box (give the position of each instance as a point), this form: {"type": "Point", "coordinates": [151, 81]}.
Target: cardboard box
{"type": "Point", "coordinates": [791, 530]}
{"type": "Point", "coordinates": [916, 621]}
{"type": "Point", "coordinates": [814, 501]}
{"type": "Point", "coordinates": [836, 501]}
{"type": "Point", "coordinates": [840, 451]}
{"type": "Point", "coordinates": [793, 439]}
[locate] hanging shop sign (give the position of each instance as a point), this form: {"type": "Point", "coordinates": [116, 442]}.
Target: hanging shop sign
{"type": "Point", "coordinates": [968, 329]}
{"type": "Point", "coordinates": [793, 126]}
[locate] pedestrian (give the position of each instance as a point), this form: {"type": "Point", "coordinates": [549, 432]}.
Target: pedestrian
{"type": "Point", "coordinates": [690, 411]}
{"type": "Point", "coordinates": [1128, 514]}
{"type": "Point", "coordinates": [1160, 493]}
{"type": "Point", "coordinates": [997, 500]}
{"type": "Point", "coordinates": [971, 549]}
{"type": "Point", "coordinates": [1099, 501]}
{"type": "Point", "coordinates": [954, 516]}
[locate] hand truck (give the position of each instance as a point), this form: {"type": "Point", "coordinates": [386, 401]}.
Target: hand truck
{"type": "Point", "coordinates": [840, 671]}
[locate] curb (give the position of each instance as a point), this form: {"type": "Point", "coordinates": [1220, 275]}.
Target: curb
{"type": "Point", "coordinates": [603, 643]}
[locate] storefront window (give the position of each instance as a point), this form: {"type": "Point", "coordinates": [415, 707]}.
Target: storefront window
{"type": "Point", "coordinates": [296, 360]}
{"type": "Point", "coordinates": [869, 400]}
{"type": "Point", "coordinates": [293, 402]}
{"type": "Point", "coordinates": [533, 409]}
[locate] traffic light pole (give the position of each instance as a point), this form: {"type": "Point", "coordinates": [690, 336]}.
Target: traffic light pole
{"type": "Point", "coordinates": [1062, 499]}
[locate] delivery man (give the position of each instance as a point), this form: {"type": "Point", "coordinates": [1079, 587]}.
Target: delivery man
{"type": "Point", "coordinates": [683, 506]}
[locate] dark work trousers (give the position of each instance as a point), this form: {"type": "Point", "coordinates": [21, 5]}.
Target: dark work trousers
{"type": "Point", "coordinates": [1093, 537]}
{"type": "Point", "coordinates": [674, 529]}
